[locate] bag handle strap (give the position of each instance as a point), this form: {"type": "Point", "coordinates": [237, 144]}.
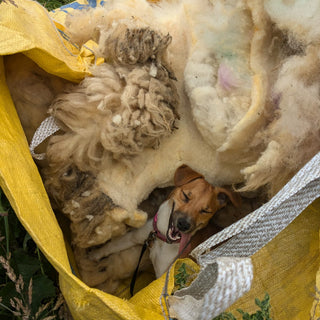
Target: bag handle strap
{"type": "Point", "coordinates": [47, 128]}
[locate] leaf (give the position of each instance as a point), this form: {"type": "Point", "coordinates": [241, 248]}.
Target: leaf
{"type": "Point", "coordinates": [43, 288]}
{"type": "Point", "coordinates": [258, 303]}
{"type": "Point", "coordinates": [25, 264]}
{"type": "Point", "coordinates": [8, 292]}
{"type": "Point", "coordinates": [27, 237]}
{"type": "Point", "coordinates": [181, 277]}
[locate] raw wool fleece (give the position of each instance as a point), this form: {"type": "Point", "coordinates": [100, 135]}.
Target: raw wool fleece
{"type": "Point", "coordinates": [256, 97]}
{"type": "Point", "coordinates": [132, 101]}
{"type": "Point", "coordinates": [248, 91]}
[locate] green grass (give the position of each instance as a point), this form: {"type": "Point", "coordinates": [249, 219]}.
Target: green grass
{"type": "Point", "coordinates": [53, 4]}
{"type": "Point", "coordinates": [49, 4]}
{"type": "Point", "coordinates": [28, 283]}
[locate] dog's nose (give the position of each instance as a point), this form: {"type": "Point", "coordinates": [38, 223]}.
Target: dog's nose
{"type": "Point", "coordinates": [183, 224]}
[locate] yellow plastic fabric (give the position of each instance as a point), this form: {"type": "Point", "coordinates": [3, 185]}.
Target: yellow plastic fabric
{"type": "Point", "coordinates": [286, 268]}
{"type": "Point", "coordinates": [28, 28]}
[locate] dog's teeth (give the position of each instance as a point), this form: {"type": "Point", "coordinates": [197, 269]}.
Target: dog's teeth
{"type": "Point", "coordinates": [174, 235]}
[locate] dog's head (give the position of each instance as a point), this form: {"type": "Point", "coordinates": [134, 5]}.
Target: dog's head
{"type": "Point", "coordinates": [195, 201]}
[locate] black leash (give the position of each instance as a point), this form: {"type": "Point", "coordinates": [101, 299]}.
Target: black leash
{"type": "Point", "coordinates": [146, 244]}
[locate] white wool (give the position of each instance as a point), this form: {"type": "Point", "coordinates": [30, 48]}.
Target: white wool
{"type": "Point", "coordinates": [210, 120]}
{"type": "Point", "coordinates": [117, 119]}
{"type": "Point", "coordinates": [299, 17]}
{"type": "Point", "coordinates": [202, 71]}
{"type": "Point", "coordinates": [225, 77]}
{"type": "Point", "coordinates": [294, 130]}
{"type": "Point", "coordinates": [225, 41]}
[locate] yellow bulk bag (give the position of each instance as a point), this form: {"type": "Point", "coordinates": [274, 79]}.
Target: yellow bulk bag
{"type": "Point", "coordinates": [286, 267]}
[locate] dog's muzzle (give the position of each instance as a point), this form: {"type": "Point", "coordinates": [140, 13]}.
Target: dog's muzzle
{"type": "Point", "coordinates": [183, 224]}
{"type": "Point", "coordinates": [179, 229]}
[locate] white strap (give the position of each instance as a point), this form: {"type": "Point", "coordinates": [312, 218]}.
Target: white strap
{"type": "Point", "coordinates": [46, 129]}
{"type": "Point", "coordinates": [219, 285]}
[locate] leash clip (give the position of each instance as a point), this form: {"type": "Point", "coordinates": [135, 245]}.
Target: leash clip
{"type": "Point", "coordinates": [151, 237]}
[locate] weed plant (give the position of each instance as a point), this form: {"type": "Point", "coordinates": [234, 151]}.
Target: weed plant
{"type": "Point", "coordinates": [28, 283]}
{"type": "Point", "coordinates": [49, 4]}
{"type": "Point", "coordinates": [53, 4]}
{"type": "Point", "coordinates": [262, 314]}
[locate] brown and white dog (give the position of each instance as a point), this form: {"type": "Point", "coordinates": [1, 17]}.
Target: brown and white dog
{"type": "Point", "coordinates": [189, 208]}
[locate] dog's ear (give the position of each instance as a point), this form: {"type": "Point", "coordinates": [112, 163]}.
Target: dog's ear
{"type": "Point", "coordinates": [184, 174]}
{"type": "Point", "coordinates": [223, 195]}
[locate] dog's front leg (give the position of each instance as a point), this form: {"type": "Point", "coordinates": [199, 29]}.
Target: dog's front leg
{"type": "Point", "coordinates": [130, 239]}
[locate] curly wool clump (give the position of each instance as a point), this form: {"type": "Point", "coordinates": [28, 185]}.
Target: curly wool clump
{"type": "Point", "coordinates": [120, 109]}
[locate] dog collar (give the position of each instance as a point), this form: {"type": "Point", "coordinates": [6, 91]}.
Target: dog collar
{"type": "Point", "coordinates": [157, 232]}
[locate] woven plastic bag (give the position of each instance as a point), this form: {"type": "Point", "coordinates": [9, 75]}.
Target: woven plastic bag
{"type": "Point", "coordinates": [286, 267]}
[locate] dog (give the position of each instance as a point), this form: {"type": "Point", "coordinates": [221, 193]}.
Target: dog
{"type": "Point", "coordinates": [188, 209]}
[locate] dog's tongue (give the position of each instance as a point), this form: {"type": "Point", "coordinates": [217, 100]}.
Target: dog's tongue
{"type": "Point", "coordinates": [184, 246]}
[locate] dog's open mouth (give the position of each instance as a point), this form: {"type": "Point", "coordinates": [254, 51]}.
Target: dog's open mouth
{"type": "Point", "coordinates": [173, 234]}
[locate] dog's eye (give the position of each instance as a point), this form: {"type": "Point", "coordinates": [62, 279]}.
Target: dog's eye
{"type": "Point", "coordinates": [205, 211]}
{"type": "Point", "coordinates": [185, 197]}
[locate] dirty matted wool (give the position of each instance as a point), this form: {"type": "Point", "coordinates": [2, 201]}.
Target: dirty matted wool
{"type": "Point", "coordinates": [120, 109]}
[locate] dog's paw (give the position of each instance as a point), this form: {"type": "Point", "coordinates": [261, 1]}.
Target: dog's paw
{"type": "Point", "coordinates": [100, 252]}
{"type": "Point", "coordinates": [137, 219]}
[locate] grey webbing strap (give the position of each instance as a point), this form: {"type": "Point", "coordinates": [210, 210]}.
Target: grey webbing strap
{"type": "Point", "coordinates": [46, 129]}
